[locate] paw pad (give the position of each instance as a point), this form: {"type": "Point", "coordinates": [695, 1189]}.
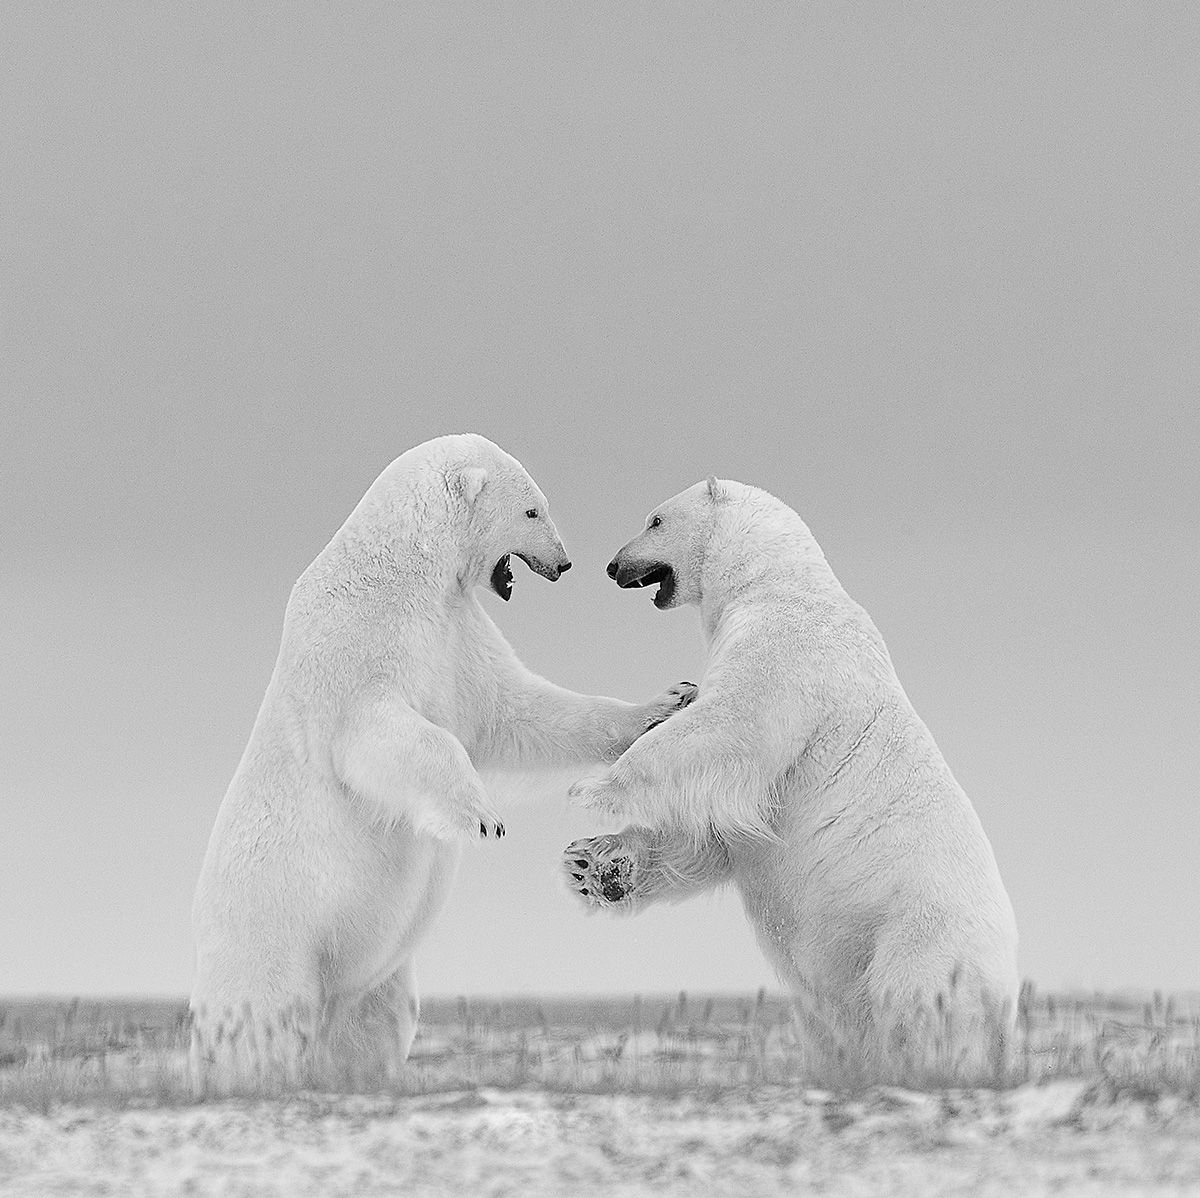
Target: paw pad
{"type": "Point", "coordinates": [610, 880]}
{"type": "Point", "coordinates": [599, 872]}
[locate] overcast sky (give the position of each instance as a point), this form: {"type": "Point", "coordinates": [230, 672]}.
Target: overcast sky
{"type": "Point", "coordinates": [930, 273]}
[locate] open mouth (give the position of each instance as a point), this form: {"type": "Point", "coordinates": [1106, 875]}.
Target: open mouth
{"type": "Point", "coordinates": [502, 579]}
{"type": "Point", "coordinates": [665, 577]}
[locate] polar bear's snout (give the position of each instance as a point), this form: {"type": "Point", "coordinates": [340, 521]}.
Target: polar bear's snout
{"type": "Point", "coordinates": [644, 572]}
{"type": "Point", "coordinates": [641, 574]}
{"type": "Point", "coordinates": [637, 572]}
{"type": "Point", "coordinates": [502, 578]}
{"type": "Point", "coordinates": [551, 570]}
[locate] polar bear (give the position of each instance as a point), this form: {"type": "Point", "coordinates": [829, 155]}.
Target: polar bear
{"type": "Point", "coordinates": [803, 775]}
{"type": "Point", "coordinates": [338, 838]}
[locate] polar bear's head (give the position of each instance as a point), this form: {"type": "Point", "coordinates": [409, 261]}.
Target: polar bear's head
{"type": "Point", "coordinates": [712, 539]}
{"type": "Point", "coordinates": [454, 511]}
{"type": "Point", "coordinates": [505, 516]}
{"type": "Point", "coordinates": [670, 550]}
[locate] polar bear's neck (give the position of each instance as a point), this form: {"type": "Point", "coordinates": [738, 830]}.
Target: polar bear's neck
{"type": "Point", "coordinates": [750, 559]}
{"type": "Point", "coordinates": [383, 555]}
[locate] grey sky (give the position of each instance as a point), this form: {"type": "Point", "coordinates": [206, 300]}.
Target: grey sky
{"type": "Point", "coordinates": [930, 273]}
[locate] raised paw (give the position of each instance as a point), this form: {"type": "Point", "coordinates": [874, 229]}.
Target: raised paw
{"type": "Point", "coordinates": [467, 817]}
{"type": "Point", "coordinates": [479, 818]}
{"type": "Point", "coordinates": [460, 826]}
{"type": "Point", "coordinates": [672, 700]}
{"type": "Point", "coordinates": [593, 793]}
{"type": "Point", "coordinates": [601, 871]}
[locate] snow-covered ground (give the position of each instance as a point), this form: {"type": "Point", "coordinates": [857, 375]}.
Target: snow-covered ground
{"type": "Point", "coordinates": [1063, 1137]}
{"type": "Point", "coordinates": [604, 1096]}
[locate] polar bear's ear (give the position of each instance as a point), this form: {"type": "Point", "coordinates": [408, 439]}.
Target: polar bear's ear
{"type": "Point", "coordinates": [716, 492]}
{"type": "Point", "coordinates": [468, 482]}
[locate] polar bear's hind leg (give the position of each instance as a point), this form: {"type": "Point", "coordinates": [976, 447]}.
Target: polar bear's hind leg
{"type": "Point", "coordinates": [370, 1038]}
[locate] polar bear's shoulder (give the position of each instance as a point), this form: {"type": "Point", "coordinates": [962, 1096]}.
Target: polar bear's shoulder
{"type": "Point", "coordinates": [797, 627]}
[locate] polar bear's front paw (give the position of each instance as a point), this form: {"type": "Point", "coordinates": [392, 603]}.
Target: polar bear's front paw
{"type": "Point", "coordinates": [483, 822]}
{"type": "Point", "coordinates": [466, 821]}
{"type": "Point", "coordinates": [601, 871]}
{"type": "Point", "coordinates": [490, 827]}
{"type": "Point", "coordinates": [672, 700]}
{"type": "Point", "coordinates": [596, 794]}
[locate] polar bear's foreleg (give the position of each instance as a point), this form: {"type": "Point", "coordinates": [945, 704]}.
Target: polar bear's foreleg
{"type": "Point", "coordinates": [700, 773]}
{"type": "Point", "coordinates": [631, 869]}
{"type": "Point", "coordinates": [539, 723]}
{"type": "Point", "coordinates": [406, 768]}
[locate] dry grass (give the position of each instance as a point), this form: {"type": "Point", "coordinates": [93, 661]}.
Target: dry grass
{"type": "Point", "coordinates": [611, 1098]}
{"type": "Point", "coordinates": [134, 1053]}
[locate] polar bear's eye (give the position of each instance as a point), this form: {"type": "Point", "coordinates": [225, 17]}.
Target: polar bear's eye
{"type": "Point", "coordinates": [531, 513]}
{"type": "Point", "coordinates": [656, 522]}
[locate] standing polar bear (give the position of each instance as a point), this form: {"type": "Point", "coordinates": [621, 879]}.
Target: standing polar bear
{"type": "Point", "coordinates": [339, 835]}
{"type": "Point", "coordinates": [803, 775]}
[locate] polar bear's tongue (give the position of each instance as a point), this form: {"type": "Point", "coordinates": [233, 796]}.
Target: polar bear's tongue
{"type": "Point", "coordinates": [502, 579]}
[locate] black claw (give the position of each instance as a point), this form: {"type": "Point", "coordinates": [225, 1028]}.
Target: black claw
{"type": "Point", "coordinates": [580, 864]}
{"type": "Point", "coordinates": [483, 829]}
{"type": "Point", "coordinates": [583, 892]}
{"type": "Point", "coordinates": [499, 830]}
{"type": "Point", "coordinates": [577, 877]}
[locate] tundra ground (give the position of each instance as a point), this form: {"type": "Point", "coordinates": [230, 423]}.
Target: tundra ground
{"type": "Point", "coordinates": [614, 1097]}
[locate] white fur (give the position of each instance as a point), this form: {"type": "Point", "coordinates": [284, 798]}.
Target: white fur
{"type": "Point", "coordinates": [802, 774]}
{"type": "Point", "coordinates": [340, 833]}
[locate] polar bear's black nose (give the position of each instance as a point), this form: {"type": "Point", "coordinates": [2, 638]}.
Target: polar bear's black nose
{"type": "Point", "coordinates": [612, 568]}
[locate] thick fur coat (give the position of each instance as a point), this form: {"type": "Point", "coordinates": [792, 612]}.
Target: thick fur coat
{"type": "Point", "coordinates": [340, 833]}
{"type": "Point", "coordinates": [803, 776]}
